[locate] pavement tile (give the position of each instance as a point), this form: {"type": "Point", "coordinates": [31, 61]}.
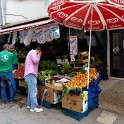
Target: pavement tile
{"type": "Point", "coordinates": [107, 117]}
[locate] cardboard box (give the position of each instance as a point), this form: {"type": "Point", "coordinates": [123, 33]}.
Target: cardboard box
{"type": "Point", "coordinates": [22, 83]}
{"type": "Point", "coordinates": [75, 103]}
{"type": "Point", "coordinates": [60, 88]}
{"type": "Point", "coordinates": [50, 95]}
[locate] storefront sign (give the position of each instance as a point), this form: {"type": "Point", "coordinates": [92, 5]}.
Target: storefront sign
{"type": "Point", "coordinates": [73, 45]}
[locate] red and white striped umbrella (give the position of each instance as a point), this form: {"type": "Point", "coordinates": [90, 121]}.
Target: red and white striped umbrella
{"type": "Point", "coordinates": [88, 15]}
{"type": "Point", "coordinates": [79, 14]}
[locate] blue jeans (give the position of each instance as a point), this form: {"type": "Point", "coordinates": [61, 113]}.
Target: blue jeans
{"type": "Point", "coordinates": [7, 93]}
{"type": "Point", "coordinates": [31, 81]}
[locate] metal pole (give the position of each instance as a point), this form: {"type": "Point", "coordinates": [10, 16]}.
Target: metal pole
{"type": "Point", "coordinates": [89, 49]}
{"type": "Point", "coordinates": [0, 15]}
{"type": "Point", "coordinates": [3, 11]}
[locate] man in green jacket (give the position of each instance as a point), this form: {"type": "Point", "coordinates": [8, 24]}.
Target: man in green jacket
{"type": "Point", "coordinates": [6, 75]}
{"type": "Point", "coordinates": [15, 61]}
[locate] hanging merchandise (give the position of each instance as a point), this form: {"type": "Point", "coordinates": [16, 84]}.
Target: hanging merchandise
{"type": "Point", "coordinates": [8, 40]}
{"type": "Point", "coordinates": [48, 34]}
{"type": "Point", "coordinates": [55, 31]}
{"type": "Point", "coordinates": [40, 37]}
{"type": "Point", "coordinates": [14, 35]}
{"type": "Point", "coordinates": [34, 36]}
{"type": "Point", "coordinates": [28, 38]}
{"type": "Point", "coordinates": [73, 45]}
{"type": "Point", "coordinates": [22, 35]}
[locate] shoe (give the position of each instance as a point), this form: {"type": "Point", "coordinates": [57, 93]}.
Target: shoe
{"type": "Point", "coordinates": [28, 107]}
{"type": "Point", "coordinates": [3, 103]}
{"type": "Point", "coordinates": [37, 109]}
{"type": "Point", "coordinates": [11, 102]}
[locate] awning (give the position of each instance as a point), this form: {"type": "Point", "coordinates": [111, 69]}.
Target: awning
{"type": "Point", "coordinates": [25, 26]}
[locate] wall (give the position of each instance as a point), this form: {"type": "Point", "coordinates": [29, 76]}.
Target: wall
{"type": "Point", "coordinates": [24, 10]}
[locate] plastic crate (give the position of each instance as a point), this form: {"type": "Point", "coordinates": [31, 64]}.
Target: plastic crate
{"type": "Point", "coordinates": [95, 100]}
{"type": "Point", "coordinates": [77, 115]}
{"type": "Point", "coordinates": [95, 82]}
{"type": "Point", "coordinates": [95, 105]}
{"type": "Point", "coordinates": [45, 103]}
{"type": "Point", "coordinates": [95, 89]}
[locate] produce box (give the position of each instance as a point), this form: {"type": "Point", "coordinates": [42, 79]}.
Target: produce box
{"type": "Point", "coordinates": [51, 94]}
{"type": "Point", "coordinates": [19, 72]}
{"type": "Point", "coordinates": [60, 88]}
{"type": "Point", "coordinates": [52, 83]}
{"type": "Point", "coordinates": [23, 87]}
{"type": "Point", "coordinates": [22, 83]}
{"type": "Point", "coordinates": [75, 103]}
{"type": "Point", "coordinates": [83, 57]}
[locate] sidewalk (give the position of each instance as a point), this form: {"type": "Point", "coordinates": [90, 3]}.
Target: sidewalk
{"type": "Point", "coordinates": [18, 114]}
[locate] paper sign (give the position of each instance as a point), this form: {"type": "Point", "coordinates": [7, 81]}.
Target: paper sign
{"type": "Point", "coordinates": [73, 45]}
{"type": "Point", "coordinates": [72, 57]}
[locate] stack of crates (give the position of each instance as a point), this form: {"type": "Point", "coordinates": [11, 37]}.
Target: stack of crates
{"type": "Point", "coordinates": [93, 93]}
{"type": "Point", "coordinates": [93, 101]}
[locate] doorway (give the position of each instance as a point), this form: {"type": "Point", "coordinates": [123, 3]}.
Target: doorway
{"type": "Point", "coordinates": [117, 53]}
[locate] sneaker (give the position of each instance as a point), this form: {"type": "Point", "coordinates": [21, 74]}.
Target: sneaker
{"type": "Point", "coordinates": [37, 109]}
{"type": "Point", "coordinates": [28, 107]}
{"type": "Point", "coordinates": [11, 102]}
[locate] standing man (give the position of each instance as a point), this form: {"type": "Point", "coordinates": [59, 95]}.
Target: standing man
{"type": "Point", "coordinates": [6, 75]}
{"type": "Point", "coordinates": [31, 73]}
{"type": "Point", "coordinates": [15, 61]}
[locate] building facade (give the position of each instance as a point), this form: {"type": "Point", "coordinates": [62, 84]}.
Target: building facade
{"type": "Point", "coordinates": [24, 10]}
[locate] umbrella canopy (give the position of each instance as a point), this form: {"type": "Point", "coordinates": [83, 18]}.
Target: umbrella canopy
{"type": "Point", "coordinates": [78, 14]}
{"type": "Point", "coordinates": [88, 15]}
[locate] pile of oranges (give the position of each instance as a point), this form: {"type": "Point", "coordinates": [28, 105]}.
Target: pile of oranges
{"type": "Point", "coordinates": [81, 80]}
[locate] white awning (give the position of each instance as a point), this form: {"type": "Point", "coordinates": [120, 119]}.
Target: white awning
{"type": "Point", "coordinates": [25, 26]}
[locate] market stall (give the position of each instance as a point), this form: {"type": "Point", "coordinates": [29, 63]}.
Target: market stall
{"type": "Point", "coordinates": [91, 16]}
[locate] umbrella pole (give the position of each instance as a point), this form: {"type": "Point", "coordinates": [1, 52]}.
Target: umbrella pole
{"type": "Point", "coordinates": [88, 75]}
